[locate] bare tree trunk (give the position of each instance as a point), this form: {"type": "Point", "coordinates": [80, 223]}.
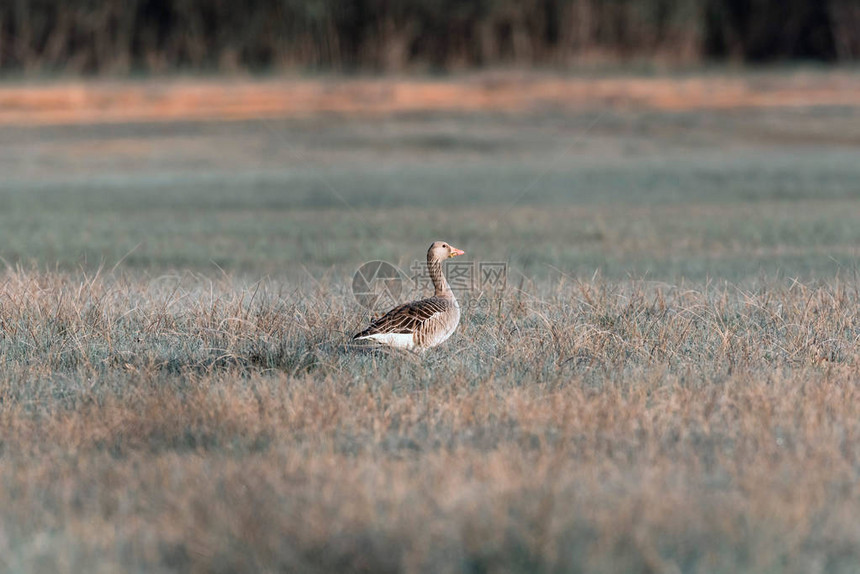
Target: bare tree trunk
{"type": "Point", "coordinates": [844, 16]}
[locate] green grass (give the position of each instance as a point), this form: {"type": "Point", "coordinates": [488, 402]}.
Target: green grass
{"type": "Point", "coordinates": [669, 382]}
{"type": "Point", "coordinates": [662, 195]}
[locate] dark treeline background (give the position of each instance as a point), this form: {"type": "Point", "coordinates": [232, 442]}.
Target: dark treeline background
{"type": "Point", "coordinates": [119, 36]}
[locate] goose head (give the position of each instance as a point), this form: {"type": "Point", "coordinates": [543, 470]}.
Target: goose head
{"type": "Point", "coordinates": [439, 251]}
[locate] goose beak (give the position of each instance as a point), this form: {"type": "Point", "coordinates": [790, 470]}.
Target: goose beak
{"type": "Point", "coordinates": [455, 252]}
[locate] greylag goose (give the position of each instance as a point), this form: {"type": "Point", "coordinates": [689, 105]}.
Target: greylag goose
{"type": "Point", "coordinates": [425, 323]}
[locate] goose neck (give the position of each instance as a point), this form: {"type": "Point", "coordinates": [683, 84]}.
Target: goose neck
{"type": "Point", "coordinates": [442, 289]}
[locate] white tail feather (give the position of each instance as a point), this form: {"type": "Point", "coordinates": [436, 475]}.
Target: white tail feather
{"type": "Point", "coordinates": [397, 340]}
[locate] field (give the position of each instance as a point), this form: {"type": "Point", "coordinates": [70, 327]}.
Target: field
{"type": "Point", "coordinates": [669, 381]}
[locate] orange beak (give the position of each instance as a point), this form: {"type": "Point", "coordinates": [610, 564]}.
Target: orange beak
{"type": "Point", "coordinates": [455, 252]}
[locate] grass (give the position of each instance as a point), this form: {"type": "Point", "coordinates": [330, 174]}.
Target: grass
{"type": "Point", "coordinates": [667, 384]}
{"type": "Point", "coordinates": [657, 193]}
{"type": "Point", "coordinates": [577, 426]}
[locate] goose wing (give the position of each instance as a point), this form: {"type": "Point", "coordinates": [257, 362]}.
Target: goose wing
{"type": "Point", "coordinates": [407, 318]}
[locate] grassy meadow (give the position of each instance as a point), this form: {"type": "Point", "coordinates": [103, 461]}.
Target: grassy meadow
{"type": "Point", "coordinates": [669, 381]}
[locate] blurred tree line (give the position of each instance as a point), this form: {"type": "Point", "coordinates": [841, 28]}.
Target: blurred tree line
{"type": "Point", "coordinates": [119, 36]}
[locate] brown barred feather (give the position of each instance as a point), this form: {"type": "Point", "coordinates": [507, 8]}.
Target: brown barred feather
{"type": "Point", "coordinates": [408, 317]}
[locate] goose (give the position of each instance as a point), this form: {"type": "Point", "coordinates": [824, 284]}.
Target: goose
{"type": "Point", "coordinates": [425, 323]}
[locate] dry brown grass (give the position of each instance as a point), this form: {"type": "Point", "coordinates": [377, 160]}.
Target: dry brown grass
{"type": "Point", "coordinates": [112, 102]}
{"type": "Point", "coordinates": [184, 424]}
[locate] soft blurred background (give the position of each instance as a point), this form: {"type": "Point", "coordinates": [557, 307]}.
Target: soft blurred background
{"type": "Point", "coordinates": [113, 36]}
{"type": "Point", "coordinates": [635, 138]}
